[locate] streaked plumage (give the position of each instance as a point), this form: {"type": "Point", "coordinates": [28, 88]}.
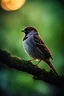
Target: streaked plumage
{"type": "Point", "coordinates": [36, 47]}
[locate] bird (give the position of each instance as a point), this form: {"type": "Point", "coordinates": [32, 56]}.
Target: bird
{"type": "Point", "coordinates": [36, 48]}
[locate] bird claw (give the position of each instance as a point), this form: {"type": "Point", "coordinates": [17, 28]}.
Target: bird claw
{"type": "Point", "coordinates": [36, 66]}
{"type": "Point", "coordinates": [30, 60]}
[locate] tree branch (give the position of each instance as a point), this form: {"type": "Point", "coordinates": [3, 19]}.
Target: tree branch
{"type": "Point", "coordinates": [39, 74]}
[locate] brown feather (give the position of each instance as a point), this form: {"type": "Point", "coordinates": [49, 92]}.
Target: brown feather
{"type": "Point", "coordinates": [41, 45]}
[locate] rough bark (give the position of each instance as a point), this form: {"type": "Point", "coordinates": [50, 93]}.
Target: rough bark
{"type": "Point", "coordinates": [22, 65]}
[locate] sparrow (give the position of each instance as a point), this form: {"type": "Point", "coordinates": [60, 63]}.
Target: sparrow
{"type": "Point", "coordinates": [36, 48]}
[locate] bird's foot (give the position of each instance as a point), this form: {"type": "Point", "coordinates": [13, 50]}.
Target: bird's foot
{"type": "Point", "coordinates": [31, 60]}
{"type": "Point", "coordinates": [36, 66]}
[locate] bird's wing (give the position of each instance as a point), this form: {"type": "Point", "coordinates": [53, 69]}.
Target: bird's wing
{"type": "Point", "coordinates": [41, 45]}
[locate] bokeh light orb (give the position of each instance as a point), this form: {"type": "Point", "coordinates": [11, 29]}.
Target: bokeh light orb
{"type": "Point", "coordinates": [10, 5]}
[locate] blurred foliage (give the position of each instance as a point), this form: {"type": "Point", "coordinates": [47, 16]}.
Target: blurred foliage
{"type": "Point", "coordinates": [48, 18]}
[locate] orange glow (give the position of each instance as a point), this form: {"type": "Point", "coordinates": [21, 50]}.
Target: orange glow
{"type": "Point", "coordinates": [12, 4]}
{"type": "Point", "coordinates": [3, 4]}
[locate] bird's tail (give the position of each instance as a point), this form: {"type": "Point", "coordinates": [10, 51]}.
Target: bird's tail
{"type": "Point", "coordinates": [50, 65]}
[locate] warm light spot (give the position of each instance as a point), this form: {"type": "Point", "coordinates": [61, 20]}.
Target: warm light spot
{"type": "Point", "coordinates": [5, 0]}
{"type": "Point", "coordinates": [12, 4]}
{"type": "Point", "coordinates": [3, 4]}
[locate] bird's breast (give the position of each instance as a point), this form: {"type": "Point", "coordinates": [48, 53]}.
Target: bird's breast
{"type": "Point", "coordinates": [31, 49]}
{"type": "Point", "coordinates": [29, 46]}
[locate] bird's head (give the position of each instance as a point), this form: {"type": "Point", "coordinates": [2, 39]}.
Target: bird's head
{"type": "Point", "coordinates": [29, 30]}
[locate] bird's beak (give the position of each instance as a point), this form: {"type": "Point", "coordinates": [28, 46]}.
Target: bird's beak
{"type": "Point", "coordinates": [23, 31]}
